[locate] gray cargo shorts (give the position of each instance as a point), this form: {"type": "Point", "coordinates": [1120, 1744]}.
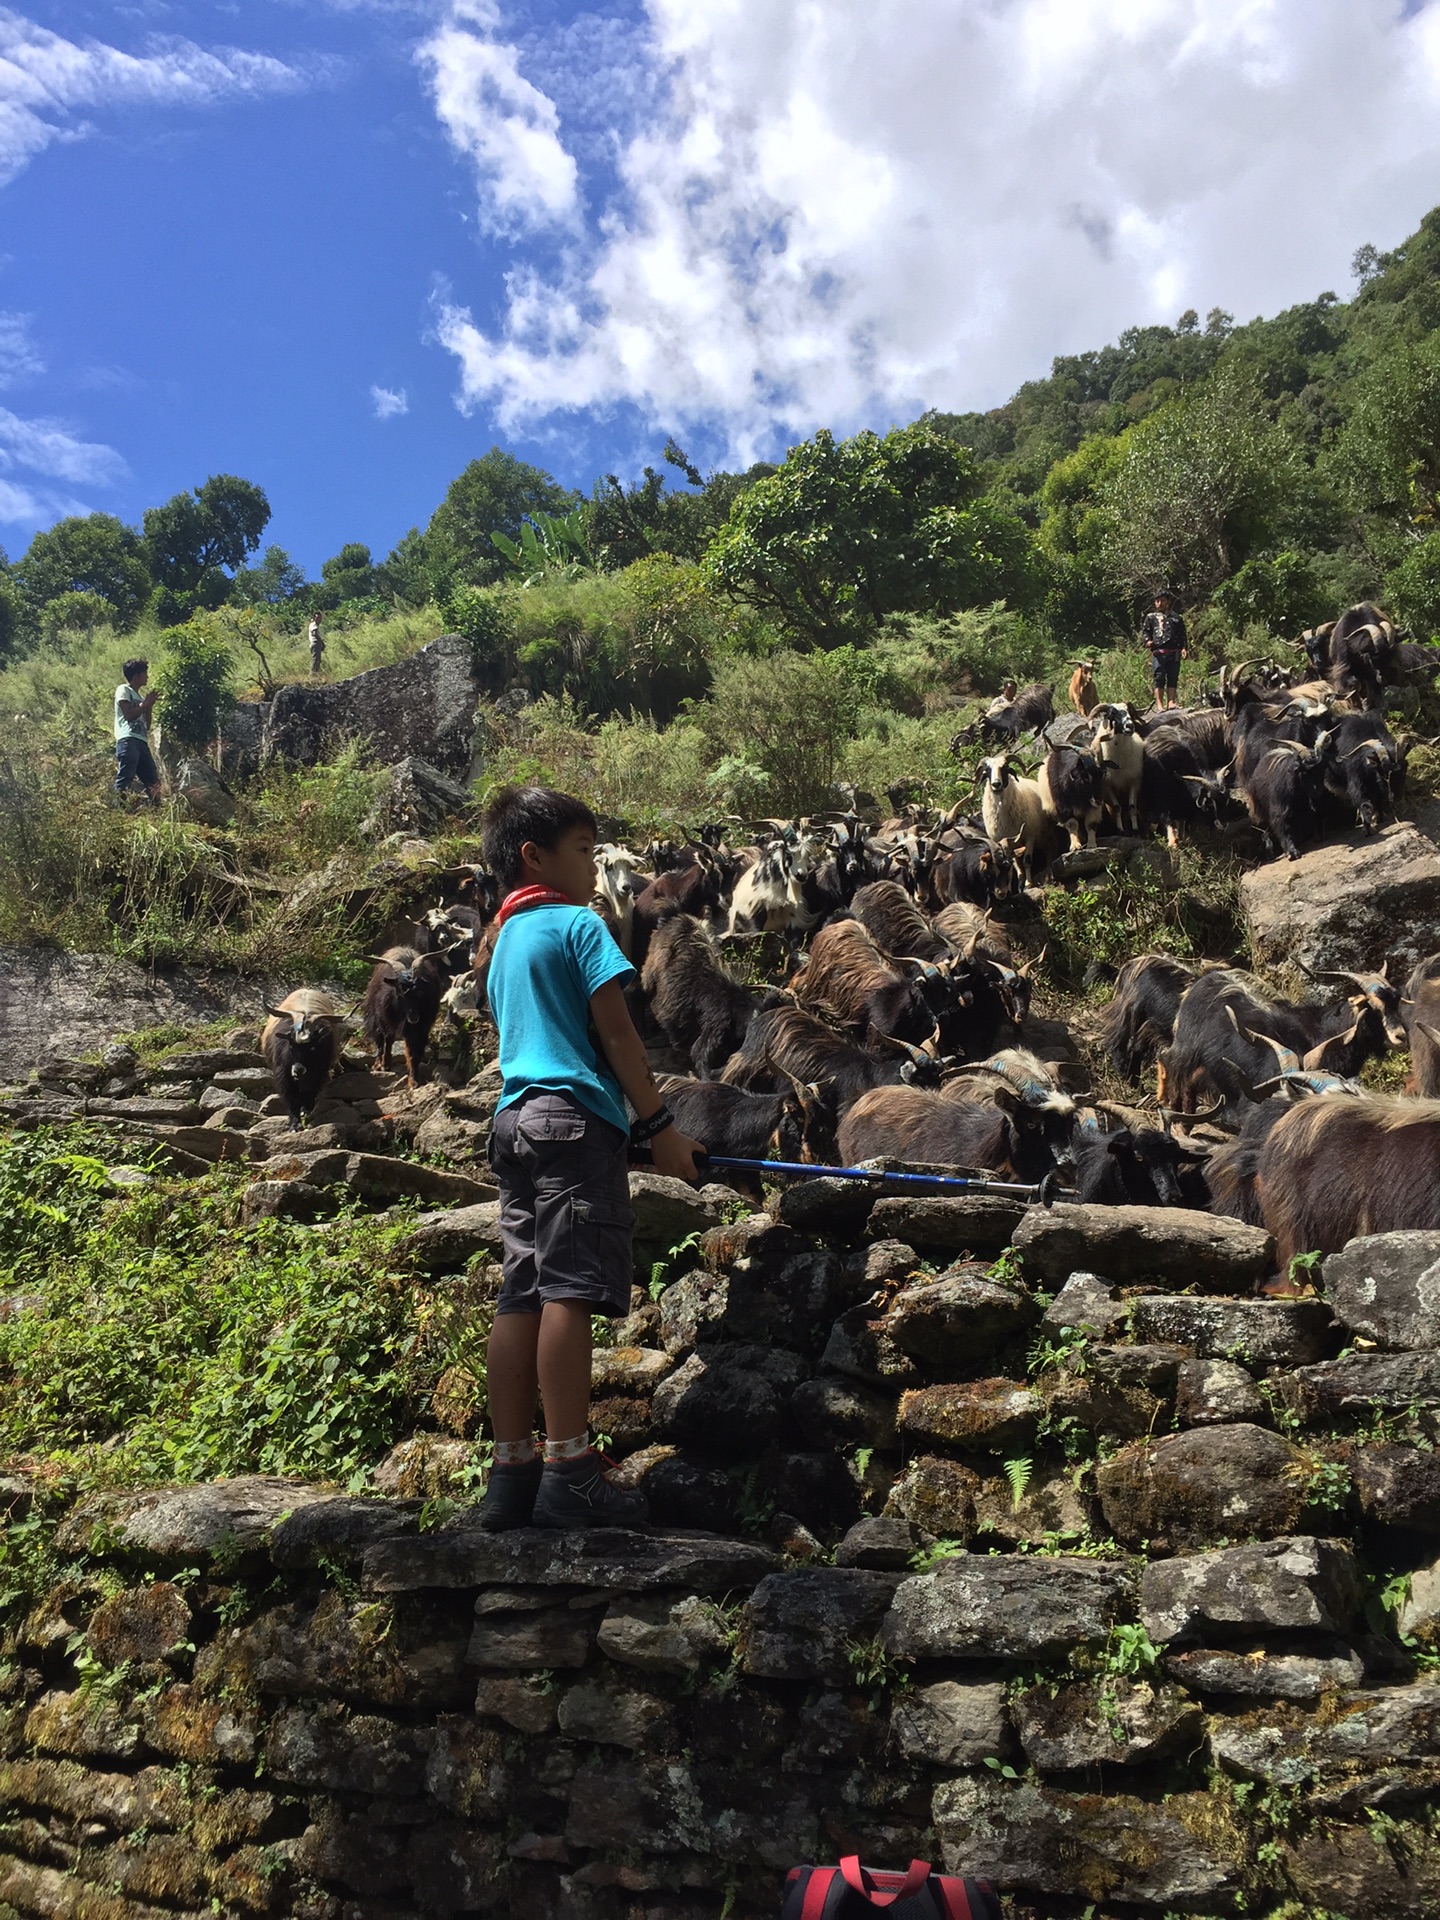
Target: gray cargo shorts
{"type": "Point", "coordinates": [565, 1213]}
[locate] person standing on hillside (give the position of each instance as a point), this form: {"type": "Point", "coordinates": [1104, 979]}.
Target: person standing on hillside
{"type": "Point", "coordinates": [133, 758]}
{"type": "Point", "coordinates": [317, 643]}
{"type": "Point", "coordinates": [1163, 633]}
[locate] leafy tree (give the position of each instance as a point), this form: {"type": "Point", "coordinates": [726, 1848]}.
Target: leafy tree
{"type": "Point", "coordinates": [495, 494]}
{"type": "Point", "coordinates": [1197, 488]}
{"type": "Point", "coordinates": [197, 538]}
{"type": "Point", "coordinates": [275, 580]}
{"type": "Point", "coordinates": [76, 613]}
{"type": "Point", "coordinates": [1412, 588]}
{"type": "Point", "coordinates": [548, 543]}
{"type": "Point", "coordinates": [15, 617]}
{"type": "Point", "coordinates": [407, 571]}
{"type": "Point", "coordinates": [848, 532]}
{"type": "Point", "coordinates": [627, 523]}
{"type": "Point", "coordinates": [1281, 592]}
{"type": "Point", "coordinates": [195, 681]}
{"type": "Point", "coordinates": [1388, 453]}
{"type": "Point", "coordinates": [89, 553]}
{"type": "Point", "coordinates": [350, 574]}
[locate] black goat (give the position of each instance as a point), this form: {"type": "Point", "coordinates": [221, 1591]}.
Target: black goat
{"type": "Point", "coordinates": [1139, 1167]}
{"type": "Point", "coordinates": [401, 1003]}
{"type": "Point", "coordinates": [1140, 1020]}
{"type": "Point", "coordinates": [301, 1042]}
{"type": "Point", "coordinates": [1032, 708]}
{"type": "Point", "coordinates": [1072, 783]}
{"type": "Point", "coordinates": [1284, 791]}
{"type": "Point", "coordinates": [754, 1126]}
{"type": "Point", "coordinates": [700, 1009]}
{"type": "Point", "coordinates": [1366, 769]}
{"type": "Point", "coordinates": [978, 872]}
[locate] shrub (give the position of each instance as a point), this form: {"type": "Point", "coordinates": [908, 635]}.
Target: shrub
{"type": "Point", "coordinates": [792, 715]}
{"type": "Point", "coordinates": [195, 681]}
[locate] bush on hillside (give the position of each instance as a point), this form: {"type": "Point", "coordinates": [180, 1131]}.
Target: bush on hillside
{"type": "Point", "coordinates": [195, 681]}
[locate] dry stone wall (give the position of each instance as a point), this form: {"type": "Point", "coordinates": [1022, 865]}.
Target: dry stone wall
{"type": "Point", "coordinates": [1095, 1570]}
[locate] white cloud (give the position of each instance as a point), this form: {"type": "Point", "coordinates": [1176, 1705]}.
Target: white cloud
{"type": "Point", "coordinates": [388, 403]}
{"type": "Point", "coordinates": [45, 80]}
{"type": "Point", "coordinates": [502, 123]}
{"type": "Point", "coordinates": [845, 212]}
{"type": "Point", "coordinates": [18, 357]}
{"type": "Point", "coordinates": [25, 506]}
{"type": "Point", "coordinates": [46, 447]}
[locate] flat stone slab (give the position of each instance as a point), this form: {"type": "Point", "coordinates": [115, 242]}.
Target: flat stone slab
{"type": "Point", "coordinates": [1006, 1606]}
{"type": "Point", "coordinates": [1374, 1747]}
{"type": "Point", "coordinates": [609, 1558]}
{"type": "Point", "coordinates": [1028, 1839]}
{"type": "Point", "coordinates": [1347, 904]}
{"type": "Point", "coordinates": [959, 1223]}
{"type": "Point", "coordinates": [1362, 1384]}
{"type": "Point", "coordinates": [174, 1523]}
{"type": "Point", "coordinates": [1261, 1333]}
{"type": "Point", "coordinates": [376, 1176]}
{"type": "Point", "coordinates": [446, 1241]}
{"type": "Point", "coordinates": [1188, 1248]}
{"type": "Point", "coordinates": [1302, 1582]}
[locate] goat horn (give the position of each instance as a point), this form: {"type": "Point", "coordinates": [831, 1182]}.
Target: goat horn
{"type": "Point", "coordinates": [1429, 1032]}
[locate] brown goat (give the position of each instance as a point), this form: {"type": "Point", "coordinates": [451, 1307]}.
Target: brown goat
{"type": "Point", "coordinates": [1421, 1008]}
{"type": "Point", "coordinates": [1084, 697]}
{"type": "Point", "coordinates": [861, 987]}
{"type": "Point", "coordinates": [1331, 1170]}
{"type": "Point", "coordinates": [896, 924]}
{"type": "Point", "coordinates": [925, 1129]}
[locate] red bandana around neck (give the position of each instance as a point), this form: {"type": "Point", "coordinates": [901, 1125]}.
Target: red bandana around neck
{"type": "Point", "coordinates": [524, 897]}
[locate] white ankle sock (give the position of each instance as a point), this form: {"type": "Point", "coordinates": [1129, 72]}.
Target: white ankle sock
{"type": "Point", "coordinates": [517, 1453]}
{"type": "Point", "coordinates": [563, 1450]}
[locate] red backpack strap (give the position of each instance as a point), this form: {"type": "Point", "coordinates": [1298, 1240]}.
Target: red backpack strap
{"type": "Point", "coordinates": [860, 1882]}
{"type": "Point", "coordinates": [817, 1891]}
{"type": "Point", "coordinates": [954, 1897]}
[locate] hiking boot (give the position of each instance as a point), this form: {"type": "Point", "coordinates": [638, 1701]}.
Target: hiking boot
{"type": "Point", "coordinates": [510, 1496]}
{"type": "Point", "coordinates": [577, 1493]}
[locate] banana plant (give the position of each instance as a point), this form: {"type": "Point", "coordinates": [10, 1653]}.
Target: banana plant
{"type": "Point", "coordinates": [549, 543]}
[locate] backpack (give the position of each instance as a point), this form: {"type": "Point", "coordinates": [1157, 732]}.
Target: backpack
{"type": "Point", "coordinates": [851, 1892]}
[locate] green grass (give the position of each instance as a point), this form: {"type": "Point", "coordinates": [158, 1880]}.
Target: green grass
{"type": "Point", "coordinates": [175, 1343]}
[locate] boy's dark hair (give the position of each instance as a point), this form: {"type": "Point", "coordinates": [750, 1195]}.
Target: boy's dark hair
{"type": "Point", "coordinates": [131, 667]}
{"type": "Point", "coordinates": [518, 814]}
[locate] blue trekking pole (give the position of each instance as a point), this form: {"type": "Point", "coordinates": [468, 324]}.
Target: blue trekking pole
{"type": "Point", "coordinates": [1042, 1193]}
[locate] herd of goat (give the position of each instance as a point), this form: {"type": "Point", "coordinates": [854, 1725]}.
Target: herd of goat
{"type": "Point", "coordinates": [900, 1030]}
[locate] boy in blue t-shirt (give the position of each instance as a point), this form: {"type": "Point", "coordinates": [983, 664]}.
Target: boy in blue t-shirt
{"type": "Point", "coordinates": [569, 1057]}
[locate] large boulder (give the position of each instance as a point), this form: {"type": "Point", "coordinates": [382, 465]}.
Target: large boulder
{"type": "Point", "coordinates": [1184, 1853]}
{"type": "Point", "coordinates": [1348, 904]}
{"type": "Point", "coordinates": [203, 794]}
{"type": "Point", "coordinates": [962, 1223]}
{"type": "Point", "coordinates": [1385, 1287]}
{"type": "Point", "coordinates": [1187, 1248]}
{"type": "Point", "coordinates": [980, 1606]}
{"type": "Point", "coordinates": [1261, 1333]}
{"type": "Point", "coordinates": [1302, 1582]}
{"type": "Point", "coordinates": [421, 705]}
{"type": "Point", "coordinates": [958, 1319]}
{"type": "Point", "coordinates": [1196, 1489]}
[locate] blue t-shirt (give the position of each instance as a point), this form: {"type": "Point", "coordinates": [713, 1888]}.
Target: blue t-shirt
{"type": "Point", "coordinates": [547, 963]}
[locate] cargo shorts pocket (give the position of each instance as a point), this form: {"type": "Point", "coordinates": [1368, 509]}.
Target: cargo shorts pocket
{"type": "Point", "coordinates": [603, 1254]}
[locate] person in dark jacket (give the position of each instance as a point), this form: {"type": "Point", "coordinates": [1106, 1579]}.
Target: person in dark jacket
{"type": "Point", "coordinates": [1162, 633]}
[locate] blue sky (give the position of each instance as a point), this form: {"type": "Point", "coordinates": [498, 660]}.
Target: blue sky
{"type": "Point", "coordinates": [342, 248]}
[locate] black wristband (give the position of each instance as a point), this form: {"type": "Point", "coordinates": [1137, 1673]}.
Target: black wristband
{"type": "Point", "coordinates": [644, 1130]}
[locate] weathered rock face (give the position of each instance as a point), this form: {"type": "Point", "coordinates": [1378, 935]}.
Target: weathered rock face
{"type": "Point", "coordinates": [1098, 1848]}
{"type": "Point", "coordinates": [1386, 1288]}
{"type": "Point", "coordinates": [1348, 904]}
{"type": "Point", "coordinates": [976, 1606]}
{"type": "Point", "coordinates": [1261, 1333]}
{"type": "Point", "coordinates": [1192, 1489]}
{"type": "Point", "coordinates": [957, 1319]}
{"type": "Point", "coordinates": [1121, 1722]}
{"type": "Point", "coordinates": [979, 1414]}
{"type": "Point", "coordinates": [71, 1003]}
{"type": "Point", "coordinates": [1144, 1243]}
{"type": "Point", "coordinates": [1356, 1387]}
{"type": "Point", "coordinates": [1302, 1582]}
{"type": "Point", "coordinates": [1379, 1748]}
{"type": "Point", "coordinates": [423, 705]}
